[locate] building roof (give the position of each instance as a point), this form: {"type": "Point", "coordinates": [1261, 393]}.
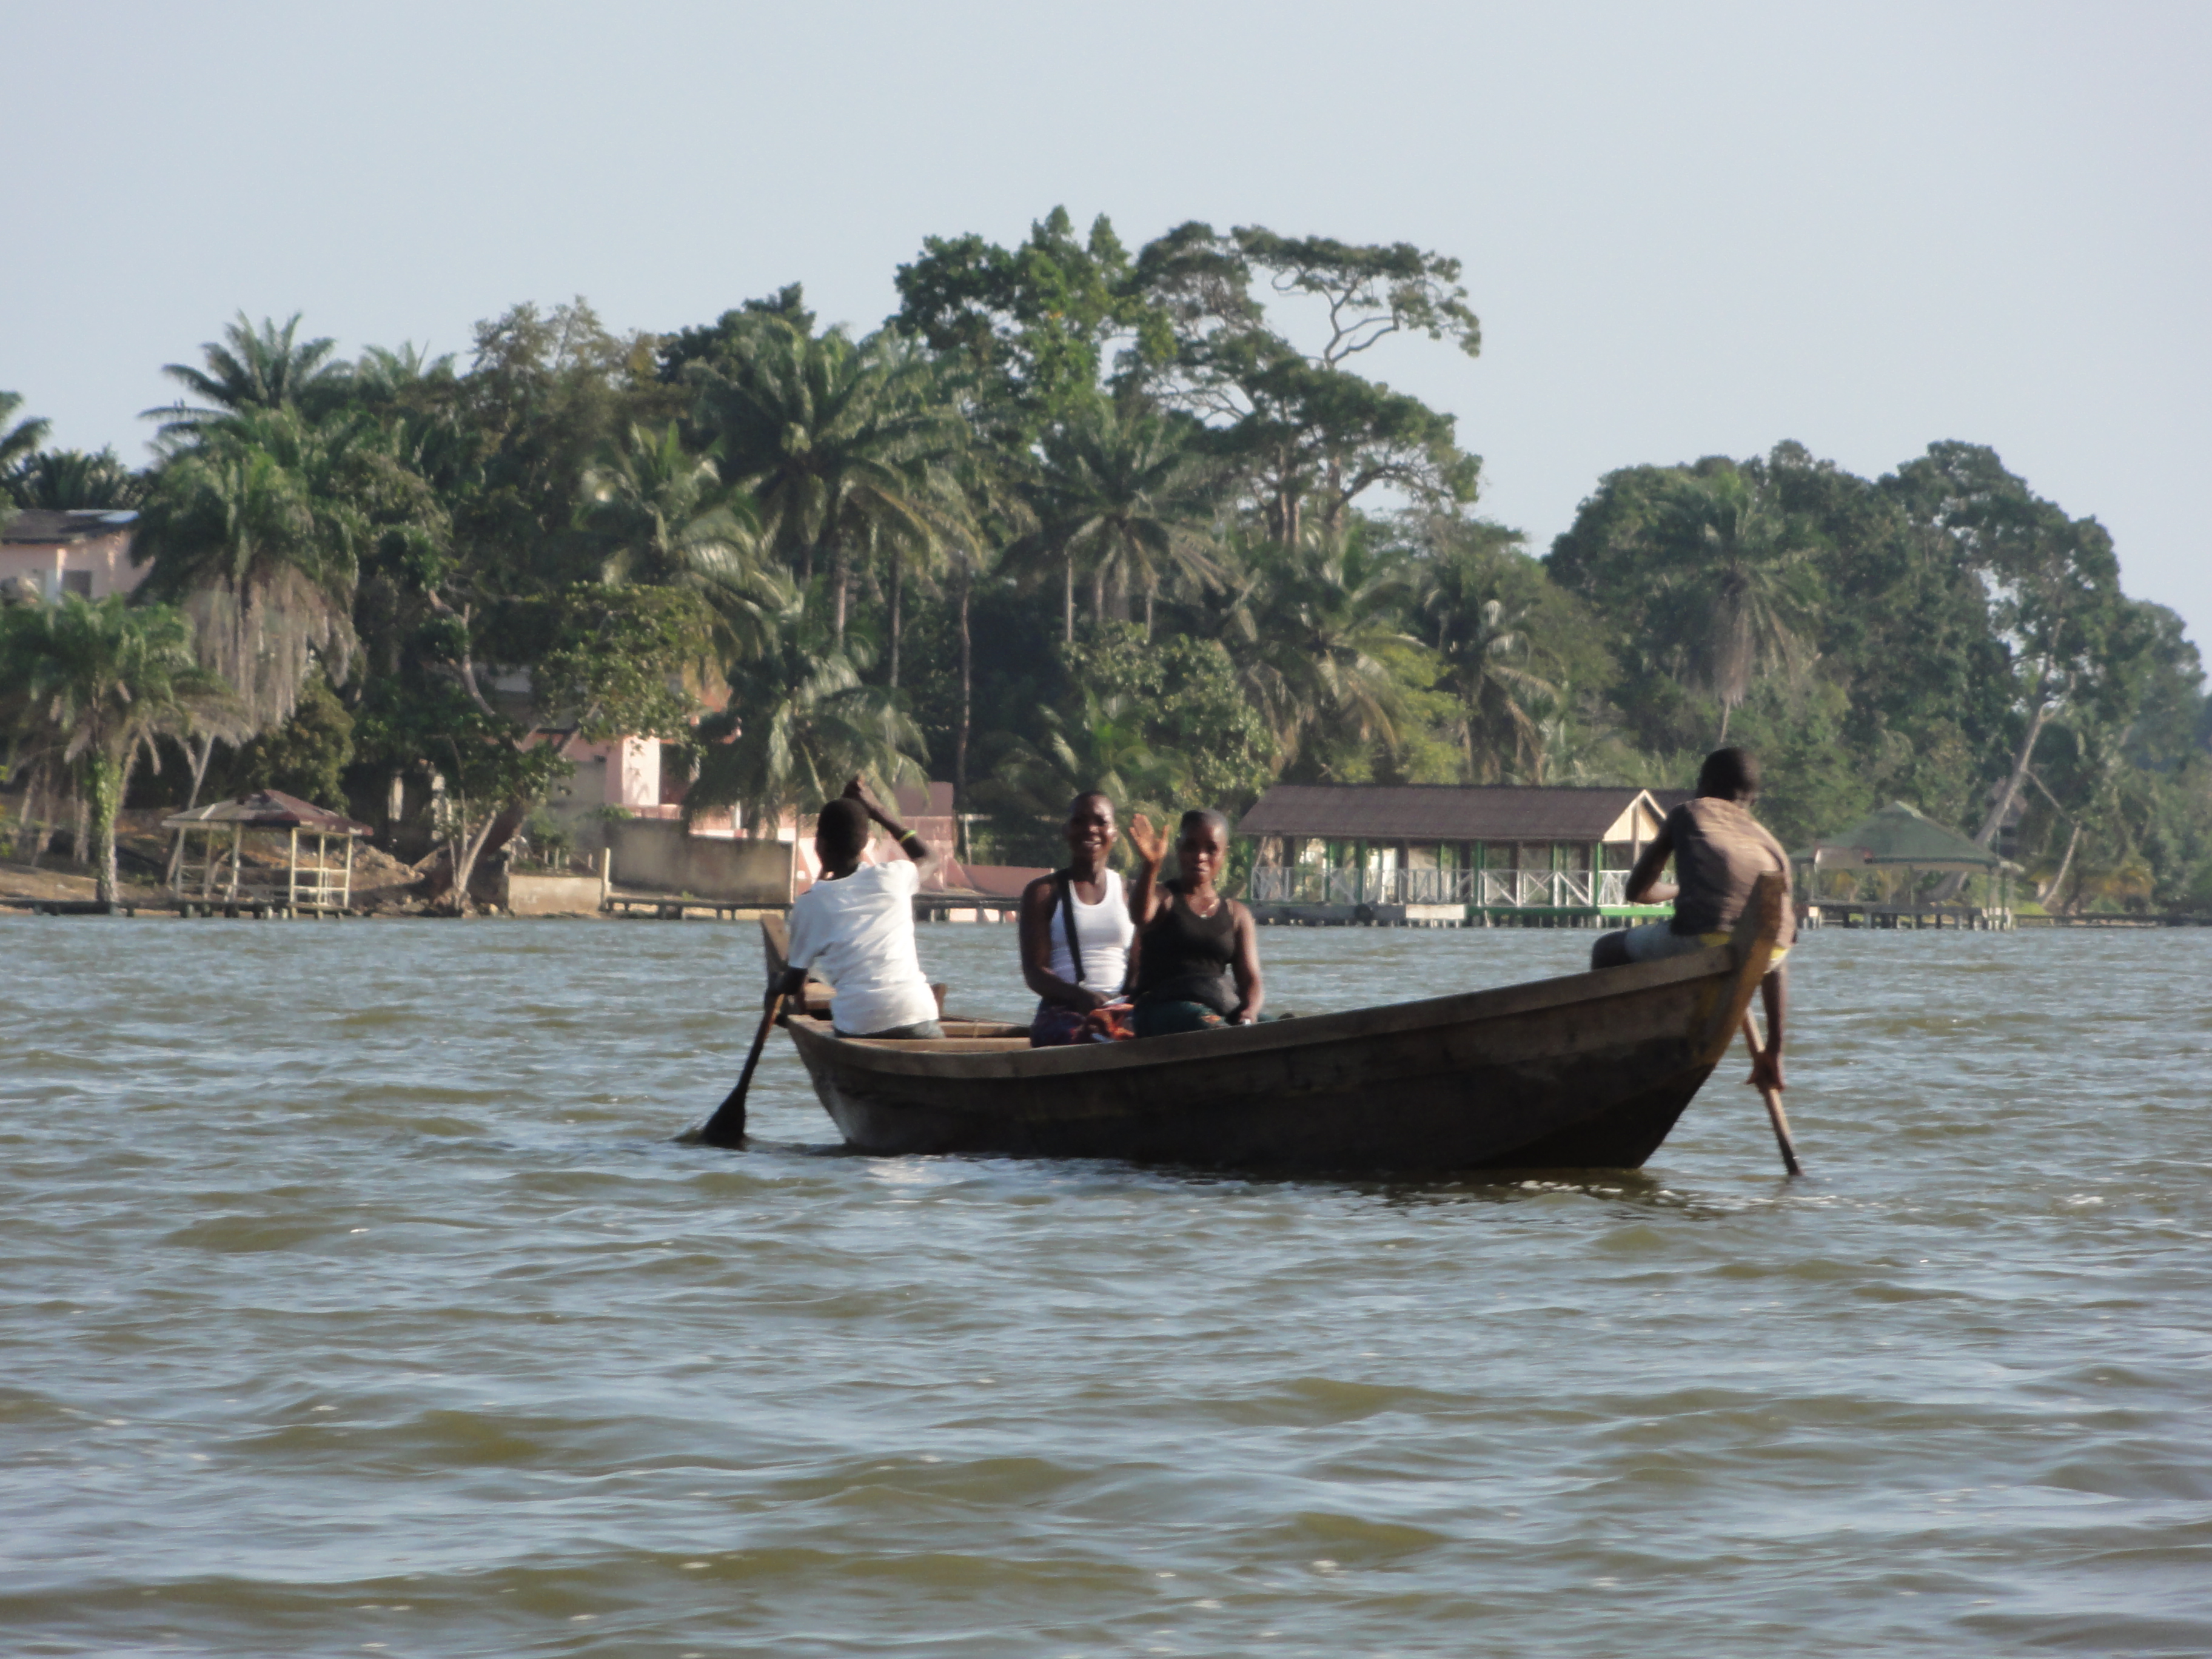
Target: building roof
{"type": "Point", "coordinates": [1429, 812]}
{"type": "Point", "coordinates": [45, 524]}
{"type": "Point", "coordinates": [269, 809]}
{"type": "Point", "coordinates": [1898, 833]}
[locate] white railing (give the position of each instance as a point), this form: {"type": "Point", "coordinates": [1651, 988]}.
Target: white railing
{"type": "Point", "coordinates": [1558, 890]}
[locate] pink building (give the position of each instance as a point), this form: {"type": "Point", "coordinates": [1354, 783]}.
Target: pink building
{"type": "Point", "coordinates": [85, 553]}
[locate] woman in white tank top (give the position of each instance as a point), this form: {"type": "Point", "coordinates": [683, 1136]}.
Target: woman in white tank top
{"type": "Point", "coordinates": [1086, 900]}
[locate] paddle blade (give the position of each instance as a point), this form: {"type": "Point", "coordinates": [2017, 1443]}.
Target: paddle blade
{"type": "Point", "coordinates": [728, 1126]}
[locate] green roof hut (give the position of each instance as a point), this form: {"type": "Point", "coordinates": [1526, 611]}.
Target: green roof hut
{"type": "Point", "coordinates": [1875, 873]}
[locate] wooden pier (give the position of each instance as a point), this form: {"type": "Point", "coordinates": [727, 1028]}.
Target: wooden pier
{"type": "Point", "coordinates": [1969, 918]}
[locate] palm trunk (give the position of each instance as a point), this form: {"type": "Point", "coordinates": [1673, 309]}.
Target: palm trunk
{"type": "Point", "coordinates": [1148, 613]}
{"type": "Point", "coordinates": [897, 572]}
{"type": "Point", "coordinates": [1067, 598]}
{"type": "Point", "coordinates": [841, 579]}
{"type": "Point", "coordinates": [469, 851]}
{"type": "Point", "coordinates": [104, 781]}
{"type": "Point", "coordinates": [1727, 709]}
{"type": "Point", "coordinates": [199, 758]}
{"type": "Point", "coordinates": [2002, 807]}
{"type": "Point", "coordinates": [960, 733]}
{"type": "Point", "coordinates": [31, 824]}
{"type": "Point", "coordinates": [2044, 896]}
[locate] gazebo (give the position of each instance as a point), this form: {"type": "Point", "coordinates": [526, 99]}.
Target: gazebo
{"type": "Point", "coordinates": [1881, 859]}
{"type": "Point", "coordinates": [221, 874]}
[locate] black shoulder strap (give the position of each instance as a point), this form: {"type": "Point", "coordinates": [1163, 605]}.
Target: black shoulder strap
{"type": "Point", "coordinates": [1067, 919]}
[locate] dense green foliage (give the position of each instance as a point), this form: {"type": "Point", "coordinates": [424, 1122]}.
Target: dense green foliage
{"type": "Point", "coordinates": [1083, 514]}
{"type": "Point", "coordinates": [85, 690]}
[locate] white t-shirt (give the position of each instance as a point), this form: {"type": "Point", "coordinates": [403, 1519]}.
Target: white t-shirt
{"type": "Point", "coordinates": [858, 934]}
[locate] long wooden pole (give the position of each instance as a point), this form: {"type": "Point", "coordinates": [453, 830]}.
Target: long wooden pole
{"type": "Point", "coordinates": [728, 1127]}
{"type": "Point", "coordinates": [1774, 1114]}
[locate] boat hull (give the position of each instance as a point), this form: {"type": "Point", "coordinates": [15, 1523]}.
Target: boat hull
{"type": "Point", "coordinates": [1502, 1079]}
{"type": "Point", "coordinates": [1587, 1071]}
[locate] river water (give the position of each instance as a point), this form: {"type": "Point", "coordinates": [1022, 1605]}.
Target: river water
{"type": "Point", "coordinates": [356, 1297]}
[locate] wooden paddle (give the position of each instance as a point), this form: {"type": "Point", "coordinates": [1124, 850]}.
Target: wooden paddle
{"type": "Point", "coordinates": [728, 1127]}
{"type": "Point", "coordinates": [1774, 1114]}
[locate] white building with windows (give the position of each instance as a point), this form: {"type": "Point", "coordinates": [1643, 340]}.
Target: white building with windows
{"type": "Point", "coordinates": [1439, 852]}
{"type": "Point", "coordinates": [84, 553]}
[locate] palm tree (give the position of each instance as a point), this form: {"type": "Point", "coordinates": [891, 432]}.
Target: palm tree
{"type": "Point", "coordinates": [835, 439]}
{"type": "Point", "coordinates": [1122, 491]}
{"type": "Point", "coordinates": [1497, 696]}
{"type": "Point", "coordinates": [988, 513]}
{"type": "Point", "coordinates": [267, 369]}
{"type": "Point", "coordinates": [1102, 747]}
{"type": "Point", "coordinates": [801, 722]}
{"type": "Point", "coordinates": [70, 480]}
{"type": "Point", "coordinates": [670, 521]}
{"type": "Point", "coordinates": [256, 533]}
{"type": "Point", "coordinates": [90, 686]}
{"type": "Point", "coordinates": [19, 446]}
{"type": "Point", "coordinates": [1733, 594]}
{"type": "Point", "coordinates": [1311, 629]}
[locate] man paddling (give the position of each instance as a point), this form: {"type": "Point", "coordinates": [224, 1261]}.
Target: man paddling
{"type": "Point", "coordinates": [856, 925]}
{"type": "Point", "coordinates": [1076, 932]}
{"type": "Point", "coordinates": [1720, 852]}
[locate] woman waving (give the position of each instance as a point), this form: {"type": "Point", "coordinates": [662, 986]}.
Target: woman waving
{"type": "Point", "coordinates": [1198, 957]}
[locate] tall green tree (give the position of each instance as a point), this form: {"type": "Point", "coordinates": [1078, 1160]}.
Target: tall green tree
{"type": "Point", "coordinates": [1036, 327]}
{"type": "Point", "coordinates": [249, 368]}
{"type": "Point", "coordinates": [2056, 597]}
{"type": "Point", "coordinates": [90, 686]}
{"type": "Point", "coordinates": [1313, 435]}
{"type": "Point", "coordinates": [667, 519]}
{"type": "Point", "coordinates": [1734, 584]}
{"type": "Point", "coordinates": [1315, 632]}
{"type": "Point", "coordinates": [19, 442]}
{"type": "Point", "coordinates": [802, 720]}
{"type": "Point", "coordinates": [1705, 582]}
{"type": "Point", "coordinates": [1122, 492]}
{"type": "Point", "coordinates": [257, 532]}
{"type": "Point", "coordinates": [835, 439]}
{"type": "Point", "coordinates": [70, 480]}
{"type": "Point", "coordinates": [500, 696]}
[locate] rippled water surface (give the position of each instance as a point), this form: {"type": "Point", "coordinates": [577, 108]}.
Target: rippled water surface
{"type": "Point", "coordinates": [356, 1297]}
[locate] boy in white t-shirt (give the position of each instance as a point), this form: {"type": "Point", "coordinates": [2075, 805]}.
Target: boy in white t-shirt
{"type": "Point", "coordinates": [855, 926]}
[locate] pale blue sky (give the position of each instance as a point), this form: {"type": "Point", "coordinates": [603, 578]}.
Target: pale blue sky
{"type": "Point", "coordinates": [1688, 229]}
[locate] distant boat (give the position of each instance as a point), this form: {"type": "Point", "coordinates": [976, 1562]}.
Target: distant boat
{"type": "Point", "coordinates": [1586, 1070]}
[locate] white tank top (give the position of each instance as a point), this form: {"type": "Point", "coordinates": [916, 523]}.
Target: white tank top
{"type": "Point", "coordinates": [1105, 932]}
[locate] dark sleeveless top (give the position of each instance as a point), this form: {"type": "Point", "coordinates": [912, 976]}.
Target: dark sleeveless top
{"type": "Point", "coordinates": [1184, 956]}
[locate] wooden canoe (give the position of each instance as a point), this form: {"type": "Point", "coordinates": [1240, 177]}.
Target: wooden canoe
{"type": "Point", "coordinates": [1587, 1071]}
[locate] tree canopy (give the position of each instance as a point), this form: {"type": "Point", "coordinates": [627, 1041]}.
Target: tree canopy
{"type": "Point", "coordinates": [1085, 509]}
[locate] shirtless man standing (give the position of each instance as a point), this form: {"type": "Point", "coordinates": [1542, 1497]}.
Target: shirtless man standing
{"type": "Point", "coordinates": [1720, 852]}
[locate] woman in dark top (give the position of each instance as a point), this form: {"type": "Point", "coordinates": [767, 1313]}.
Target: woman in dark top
{"type": "Point", "coordinates": [1198, 960]}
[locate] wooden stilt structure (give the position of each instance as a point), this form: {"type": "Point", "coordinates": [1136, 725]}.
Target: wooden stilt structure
{"type": "Point", "coordinates": [302, 885]}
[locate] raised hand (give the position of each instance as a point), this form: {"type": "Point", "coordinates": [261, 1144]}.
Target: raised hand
{"type": "Point", "coordinates": [1152, 844]}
